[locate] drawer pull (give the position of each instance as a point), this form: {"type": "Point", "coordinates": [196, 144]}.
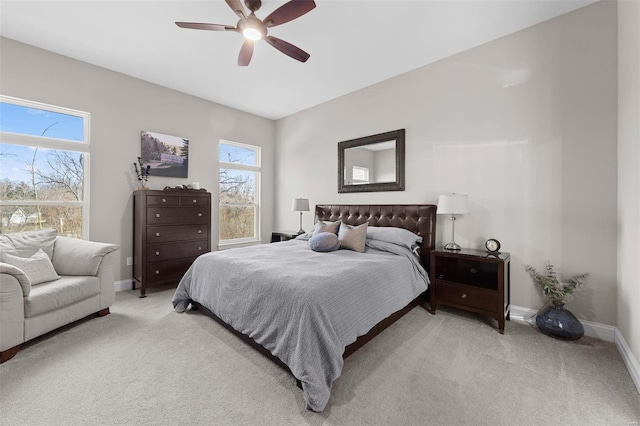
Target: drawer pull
{"type": "Point", "coordinates": [157, 234]}
{"type": "Point", "coordinates": [157, 214]}
{"type": "Point", "coordinates": [199, 231]}
{"type": "Point", "coordinates": [464, 295]}
{"type": "Point", "coordinates": [199, 248]}
{"type": "Point", "coordinates": [164, 200]}
{"type": "Point", "coordinates": [157, 272]}
{"type": "Point", "coordinates": [157, 253]}
{"type": "Point", "coordinates": [199, 214]}
{"type": "Point", "coordinates": [195, 201]}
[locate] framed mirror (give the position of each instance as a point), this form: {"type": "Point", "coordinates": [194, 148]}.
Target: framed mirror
{"type": "Point", "coordinates": [372, 164]}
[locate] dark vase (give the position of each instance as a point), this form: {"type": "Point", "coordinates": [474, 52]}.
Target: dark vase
{"type": "Point", "coordinates": [556, 321]}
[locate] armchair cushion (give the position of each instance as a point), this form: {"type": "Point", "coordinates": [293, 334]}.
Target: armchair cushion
{"type": "Point", "coordinates": [25, 244]}
{"type": "Point", "coordinates": [59, 294]}
{"type": "Point", "coordinates": [79, 257]}
{"type": "Point", "coordinates": [37, 268]}
{"type": "Point", "coordinates": [19, 275]}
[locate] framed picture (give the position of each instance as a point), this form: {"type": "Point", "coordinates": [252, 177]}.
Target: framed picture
{"type": "Point", "coordinates": [167, 155]}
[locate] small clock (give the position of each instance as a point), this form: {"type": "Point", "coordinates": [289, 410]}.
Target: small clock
{"type": "Point", "coordinates": [492, 245]}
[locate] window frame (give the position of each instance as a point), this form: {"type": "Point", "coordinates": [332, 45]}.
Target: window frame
{"type": "Point", "coordinates": [257, 198]}
{"type": "Point", "coordinates": [46, 142]}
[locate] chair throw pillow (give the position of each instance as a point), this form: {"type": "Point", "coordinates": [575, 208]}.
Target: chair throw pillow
{"type": "Point", "coordinates": [353, 237]}
{"type": "Point", "coordinates": [38, 267]}
{"type": "Point", "coordinates": [324, 242]}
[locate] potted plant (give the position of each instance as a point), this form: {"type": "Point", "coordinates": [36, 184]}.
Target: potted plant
{"type": "Point", "coordinates": [142, 173]}
{"type": "Point", "coordinates": [553, 319]}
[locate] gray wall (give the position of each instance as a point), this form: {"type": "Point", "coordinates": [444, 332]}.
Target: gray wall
{"type": "Point", "coordinates": [629, 173]}
{"type": "Point", "coordinates": [120, 108]}
{"type": "Point", "coordinates": [526, 125]}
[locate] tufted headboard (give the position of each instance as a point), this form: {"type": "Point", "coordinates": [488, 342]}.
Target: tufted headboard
{"type": "Point", "coordinates": [417, 218]}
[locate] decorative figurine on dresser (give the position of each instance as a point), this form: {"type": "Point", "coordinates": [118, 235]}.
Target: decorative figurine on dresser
{"type": "Point", "coordinates": [170, 229]}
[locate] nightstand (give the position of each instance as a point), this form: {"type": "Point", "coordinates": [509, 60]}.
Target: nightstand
{"type": "Point", "coordinates": [473, 280]}
{"type": "Point", "coordinates": [283, 236]}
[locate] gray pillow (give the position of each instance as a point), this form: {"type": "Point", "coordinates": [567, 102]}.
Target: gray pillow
{"type": "Point", "coordinates": [38, 268]}
{"type": "Point", "coordinates": [327, 227]}
{"type": "Point", "coordinates": [399, 236]}
{"type": "Point", "coordinates": [324, 242]}
{"type": "Point", "coordinates": [353, 237]}
{"type": "Point", "coordinates": [25, 244]}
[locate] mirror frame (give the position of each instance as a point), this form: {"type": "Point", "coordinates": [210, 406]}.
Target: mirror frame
{"type": "Point", "coordinates": [398, 185]}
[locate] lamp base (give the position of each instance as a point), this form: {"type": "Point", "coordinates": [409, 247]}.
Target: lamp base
{"type": "Point", "coordinates": [301, 231]}
{"type": "Point", "coordinates": [452, 246]}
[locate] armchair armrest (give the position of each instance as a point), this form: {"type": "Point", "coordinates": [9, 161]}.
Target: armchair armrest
{"type": "Point", "coordinates": [72, 256]}
{"type": "Point", "coordinates": [11, 310]}
{"type": "Point", "coordinates": [19, 275]}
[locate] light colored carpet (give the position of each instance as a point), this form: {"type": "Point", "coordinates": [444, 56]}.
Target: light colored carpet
{"type": "Point", "coordinates": [145, 364]}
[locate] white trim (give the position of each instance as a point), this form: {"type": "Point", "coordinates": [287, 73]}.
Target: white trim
{"type": "Point", "coordinates": [628, 358]}
{"type": "Point", "coordinates": [603, 332]}
{"type": "Point", "coordinates": [123, 285]}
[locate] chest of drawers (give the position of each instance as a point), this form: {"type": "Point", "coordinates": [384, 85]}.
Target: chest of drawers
{"type": "Point", "coordinates": [170, 229]}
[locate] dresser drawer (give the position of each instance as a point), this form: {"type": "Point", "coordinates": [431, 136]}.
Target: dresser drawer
{"type": "Point", "coordinates": [159, 271]}
{"type": "Point", "coordinates": [162, 234]}
{"type": "Point", "coordinates": [161, 252]}
{"type": "Point", "coordinates": [168, 215]}
{"type": "Point", "coordinates": [473, 297]}
{"type": "Point", "coordinates": [163, 200]}
{"type": "Point", "coordinates": [194, 200]}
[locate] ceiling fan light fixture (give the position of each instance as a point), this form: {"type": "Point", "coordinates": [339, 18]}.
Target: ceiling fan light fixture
{"type": "Point", "coordinates": [252, 34]}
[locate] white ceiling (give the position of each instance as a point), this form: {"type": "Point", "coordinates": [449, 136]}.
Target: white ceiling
{"type": "Point", "coordinates": [353, 43]}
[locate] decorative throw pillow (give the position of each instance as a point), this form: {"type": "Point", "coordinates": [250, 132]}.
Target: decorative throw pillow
{"type": "Point", "coordinates": [324, 242]}
{"type": "Point", "coordinates": [38, 267]}
{"type": "Point", "coordinates": [353, 237]}
{"type": "Point", "coordinates": [327, 227]}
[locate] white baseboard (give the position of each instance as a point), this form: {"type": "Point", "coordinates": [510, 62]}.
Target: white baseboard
{"type": "Point", "coordinates": [628, 358]}
{"type": "Point", "coordinates": [604, 332]}
{"type": "Point", "coordinates": [123, 285]}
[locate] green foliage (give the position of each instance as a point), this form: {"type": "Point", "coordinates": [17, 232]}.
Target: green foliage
{"type": "Point", "coordinates": [555, 291]}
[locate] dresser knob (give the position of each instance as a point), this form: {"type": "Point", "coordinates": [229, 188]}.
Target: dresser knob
{"type": "Point", "coordinates": [199, 231]}
{"type": "Point", "coordinates": [164, 200]}
{"type": "Point", "coordinates": [199, 214]}
{"type": "Point", "coordinates": [157, 272]}
{"type": "Point", "coordinates": [195, 201]}
{"type": "Point", "coordinates": [157, 234]}
{"type": "Point", "coordinates": [199, 248]}
{"type": "Point", "coordinates": [157, 214]}
{"type": "Point", "coordinates": [464, 295]}
{"type": "Point", "coordinates": [157, 253]}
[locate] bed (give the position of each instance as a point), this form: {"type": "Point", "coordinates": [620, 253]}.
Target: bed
{"type": "Point", "coordinates": [309, 311]}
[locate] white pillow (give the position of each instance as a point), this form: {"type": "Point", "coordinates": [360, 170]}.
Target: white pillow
{"type": "Point", "coordinates": [353, 237]}
{"type": "Point", "coordinates": [400, 236]}
{"type": "Point", "coordinates": [38, 268]}
{"type": "Point", "coordinates": [25, 244]}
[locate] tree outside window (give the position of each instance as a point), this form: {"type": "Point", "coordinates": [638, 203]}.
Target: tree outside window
{"type": "Point", "coordinates": [43, 168]}
{"type": "Point", "coordinates": [239, 192]}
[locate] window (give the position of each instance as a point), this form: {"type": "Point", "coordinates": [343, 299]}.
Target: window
{"type": "Point", "coordinates": [239, 193]}
{"type": "Point", "coordinates": [360, 175]}
{"type": "Point", "coordinates": [44, 168]}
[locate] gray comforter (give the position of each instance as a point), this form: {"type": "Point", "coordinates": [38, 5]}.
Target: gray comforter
{"type": "Point", "coordinates": [304, 307]}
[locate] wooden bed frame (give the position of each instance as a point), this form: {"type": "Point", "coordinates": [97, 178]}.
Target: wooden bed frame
{"type": "Point", "coordinates": [417, 218]}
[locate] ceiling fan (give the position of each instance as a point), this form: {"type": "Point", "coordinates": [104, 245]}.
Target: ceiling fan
{"type": "Point", "coordinates": [255, 29]}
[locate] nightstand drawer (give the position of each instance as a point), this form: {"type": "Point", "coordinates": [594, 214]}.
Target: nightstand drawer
{"type": "Point", "coordinates": [473, 297]}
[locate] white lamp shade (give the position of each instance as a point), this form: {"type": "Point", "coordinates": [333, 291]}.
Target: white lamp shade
{"type": "Point", "coordinates": [453, 204]}
{"type": "Point", "coordinates": [300, 205]}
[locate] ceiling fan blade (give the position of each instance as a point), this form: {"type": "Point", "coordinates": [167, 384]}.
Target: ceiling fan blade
{"type": "Point", "coordinates": [236, 6]}
{"type": "Point", "coordinates": [246, 52]}
{"type": "Point", "coordinates": [288, 12]}
{"type": "Point", "coordinates": [288, 49]}
{"type": "Point", "coordinates": [202, 26]}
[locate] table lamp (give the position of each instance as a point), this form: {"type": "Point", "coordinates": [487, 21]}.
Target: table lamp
{"type": "Point", "coordinates": [300, 205]}
{"type": "Point", "coordinates": [453, 204]}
